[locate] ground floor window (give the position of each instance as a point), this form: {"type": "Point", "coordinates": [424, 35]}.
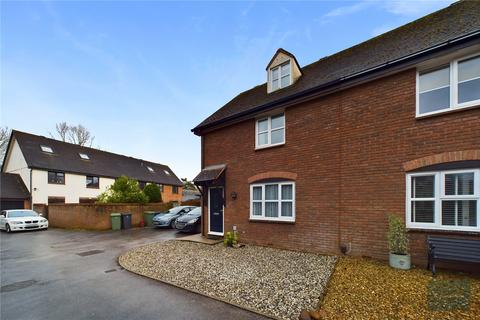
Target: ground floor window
{"type": "Point", "coordinates": [53, 200]}
{"type": "Point", "coordinates": [444, 200]}
{"type": "Point", "coordinates": [272, 201]}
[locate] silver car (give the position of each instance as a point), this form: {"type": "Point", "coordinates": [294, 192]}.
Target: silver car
{"type": "Point", "coordinates": [168, 218]}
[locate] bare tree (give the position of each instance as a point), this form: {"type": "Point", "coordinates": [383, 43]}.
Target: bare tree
{"type": "Point", "coordinates": [73, 134]}
{"type": "Point", "coordinates": [62, 129]}
{"type": "Point", "coordinates": [80, 135]}
{"type": "Point", "coordinates": [5, 133]}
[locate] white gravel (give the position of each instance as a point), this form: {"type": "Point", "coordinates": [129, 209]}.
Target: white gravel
{"type": "Point", "coordinates": [275, 282]}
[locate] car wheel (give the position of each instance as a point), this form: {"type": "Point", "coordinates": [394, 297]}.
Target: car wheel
{"type": "Point", "coordinates": [7, 228]}
{"type": "Point", "coordinates": [172, 224]}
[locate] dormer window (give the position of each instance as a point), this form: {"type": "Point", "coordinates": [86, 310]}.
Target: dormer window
{"type": "Point", "coordinates": [46, 149]}
{"type": "Point", "coordinates": [84, 156]}
{"type": "Point", "coordinates": [281, 76]}
{"type": "Point", "coordinates": [150, 169]}
{"type": "Point", "coordinates": [282, 71]}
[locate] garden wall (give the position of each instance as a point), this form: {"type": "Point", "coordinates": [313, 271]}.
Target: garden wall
{"type": "Point", "coordinates": [97, 216]}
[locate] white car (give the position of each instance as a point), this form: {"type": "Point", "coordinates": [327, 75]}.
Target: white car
{"type": "Point", "coordinates": [19, 220]}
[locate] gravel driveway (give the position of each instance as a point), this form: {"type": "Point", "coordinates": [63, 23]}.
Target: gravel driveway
{"type": "Point", "coordinates": [278, 283]}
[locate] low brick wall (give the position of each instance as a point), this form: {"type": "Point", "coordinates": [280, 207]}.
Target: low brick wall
{"type": "Point", "coordinates": [97, 216]}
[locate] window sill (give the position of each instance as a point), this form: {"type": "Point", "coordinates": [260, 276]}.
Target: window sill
{"type": "Point", "coordinates": [93, 187]}
{"type": "Point", "coordinates": [472, 105]}
{"type": "Point", "coordinates": [442, 231]}
{"type": "Point", "coordinates": [272, 221]}
{"type": "Point", "coordinates": [270, 146]}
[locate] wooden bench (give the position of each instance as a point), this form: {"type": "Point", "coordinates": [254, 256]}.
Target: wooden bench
{"type": "Point", "coordinates": [452, 249]}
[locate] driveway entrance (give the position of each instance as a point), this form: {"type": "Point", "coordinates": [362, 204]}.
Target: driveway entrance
{"type": "Point", "coordinates": [60, 274]}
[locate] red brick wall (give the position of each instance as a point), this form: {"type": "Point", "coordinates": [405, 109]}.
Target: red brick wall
{"type": "Point", "coordinates": [347, 150]}
{"type": "Point", "coordinates": [97, 216]}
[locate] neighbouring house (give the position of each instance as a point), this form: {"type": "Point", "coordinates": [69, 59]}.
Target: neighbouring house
{"type": "Point", "coordinates": [317, 157]}
{"type": "Point", "coordinates": [59, 172]}
{"type": "Point", "coordinates": [13, 192]}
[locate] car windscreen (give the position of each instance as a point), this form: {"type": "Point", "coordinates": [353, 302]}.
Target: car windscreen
{"type": "Point", "coordinates": [22, 213]}
{"type": "Point", "coordinates": [195, 212]}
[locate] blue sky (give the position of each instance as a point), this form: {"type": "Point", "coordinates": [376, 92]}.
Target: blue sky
{"type": "Point", "coordinates": [141, 74]}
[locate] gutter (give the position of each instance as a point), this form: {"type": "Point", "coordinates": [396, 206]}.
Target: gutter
{"type": "Point", "coordinates": [336, 84]}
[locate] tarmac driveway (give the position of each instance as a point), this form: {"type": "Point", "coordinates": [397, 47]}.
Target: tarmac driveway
{"type": "Point", "coordinates": [63, 274]}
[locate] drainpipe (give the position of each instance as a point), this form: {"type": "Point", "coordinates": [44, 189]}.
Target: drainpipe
{"type": "Point", "coordinates": [31, 195]}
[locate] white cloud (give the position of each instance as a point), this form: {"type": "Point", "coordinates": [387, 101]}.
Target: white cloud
{"type": "Point", "coordinates": [344, 11]}
{"type": "Point", "coordinates": [414, 7]}
{"type": "Point", "coordinates": [409, 8]}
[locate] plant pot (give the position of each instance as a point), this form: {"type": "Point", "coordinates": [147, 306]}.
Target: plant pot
{"type": "Point", "coordinates": [399, 261]}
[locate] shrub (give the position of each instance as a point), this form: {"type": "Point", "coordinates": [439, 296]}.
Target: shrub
{"type": "Point", "coordinates": [152, 191]}
{"type": "Point", "coordinates": [123, 190]}
{"type": "Point", "coordinates": [230, 239]}
{"type": "Point", "coordinates": [397, 236]}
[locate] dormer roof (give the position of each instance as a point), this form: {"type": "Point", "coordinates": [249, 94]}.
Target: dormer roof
{"type": "Point", "coordinates": [281, 51]}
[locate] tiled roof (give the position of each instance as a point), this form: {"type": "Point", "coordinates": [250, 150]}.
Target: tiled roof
{"type": "Point", "coordinates": [65, 157]}
{"type": "Point", "coordinates": [459, 19]}
{"type": "Point", "coordinates": [12, 187]}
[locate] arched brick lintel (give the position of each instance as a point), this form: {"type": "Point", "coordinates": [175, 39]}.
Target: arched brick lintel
{"type": "Point", "coordinates": [273, 175]}
{"type": "Point", "coordinates": [442, 158]}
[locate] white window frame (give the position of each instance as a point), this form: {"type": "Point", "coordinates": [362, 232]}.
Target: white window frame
{"type": "Point", "coordinates": [279, 67]}
{"type": "Point", "coordinates": [269, 131]}
{"type": "Point", "coordinates": [440, 196]}
{"type": "Point", "coordinates": [454, 105]}
{"type": "Point", "coordinates": [280, 200]}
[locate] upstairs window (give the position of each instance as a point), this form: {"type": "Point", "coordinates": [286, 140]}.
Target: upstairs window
{"type": "Point", "coordinates": [150, 169]}
{"type": "Point", "coordinates": [93, 182]}
{"type": "Point", "coordinates": [56, 177]}
{"type": "Point", "coordinates": [46, 149]}
{"type": "Point", "coordinates": [449, 87]}
{"type": "Point", "coordinates": [280, 76]}
{"type": "Point", "coordinates": [444, 200]}
{"type": "Point", "coordinates": [166, 172]}
{"type": "Point", "coordinates": [84, 156]}
{"type": "Point", "coordinates": [270, 131]}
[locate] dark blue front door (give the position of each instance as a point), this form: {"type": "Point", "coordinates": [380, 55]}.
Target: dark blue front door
{"type": "Point", "coordinates": [216, 211]}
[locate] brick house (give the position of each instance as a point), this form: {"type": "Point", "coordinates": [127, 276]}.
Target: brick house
{"type": "Point", "coordinates": [58, 172]}
{"type": "Point", "coordinates": [316, 158]}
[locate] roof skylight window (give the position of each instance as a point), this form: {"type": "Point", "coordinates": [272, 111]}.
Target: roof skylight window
{"type": "Point", "coordinates": [166, 172]}
{"type": "Point", "coordinates": [46, 149]}
{"type": "Point", "coordinates": [150, 169]}
{"type": "Point", "coordinates": [84, 156]}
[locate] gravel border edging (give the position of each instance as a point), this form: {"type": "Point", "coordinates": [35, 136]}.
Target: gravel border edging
{"type": "Point", "coordinates": [197, 292]}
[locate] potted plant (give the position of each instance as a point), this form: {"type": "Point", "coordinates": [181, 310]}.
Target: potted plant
{"type": "Point", "coordinates": [398, 244]}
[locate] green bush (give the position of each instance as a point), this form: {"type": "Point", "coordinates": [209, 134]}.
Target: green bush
{"type": "Point", "coordinates": [230, 239]}
{"type": "Point", "coordinates": [152, 191]}
{"type": "Point", "coordinates": [397, 236]}
{"type": "Point", "coordinates": [123, 190]}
